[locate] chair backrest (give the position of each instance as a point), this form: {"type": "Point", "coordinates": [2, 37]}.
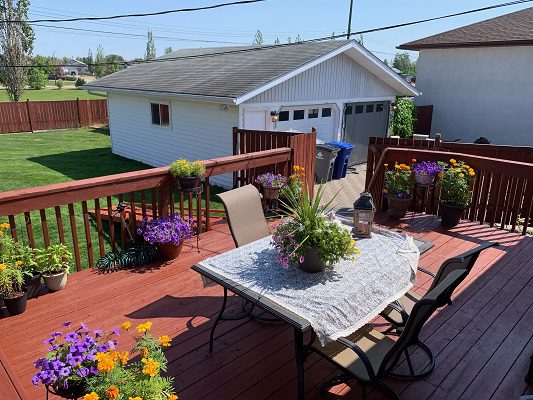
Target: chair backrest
{"type": "Point", "coordinates": [244, 211]}
{"type": "Point", "coordinates": [422, 310]}
{"type": "Point", "coordinates": [464, 260]}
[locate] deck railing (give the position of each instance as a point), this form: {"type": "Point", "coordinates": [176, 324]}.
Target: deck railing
{"type": "Point", "coordinates": [87, 205]}
{"type": "Point", "coordinates": [502, 192]}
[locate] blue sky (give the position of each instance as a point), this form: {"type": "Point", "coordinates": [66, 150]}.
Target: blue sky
{"type": "Point", "coordinates": [237, 24]}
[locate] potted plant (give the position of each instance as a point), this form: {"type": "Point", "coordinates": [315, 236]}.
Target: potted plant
{"type": "Point", "coordinates": [11, 290]}
{"type": "Point", "coordinates": [167, 233]}
{"type": "Point", "coordinates": [295, 185]}
{"type": "Point", "coordinates": [271, 184]}
{"type": "Point", "coordinates": [426, 171]}
{"type": "Point", "coordinates": [71, 359]}
{"type": "Point", "coordinates": [309, 237]}
{"type": "Point", "coordinates": [53, 262]}
{"type": "Point", "coordinates": [119, 377]}
{"type": "Point", "coordinates": [455, 184]}
{"type": "Point", "coordinates": [188, 173]}
{"type": "Point", "coordinates": [398, 187]}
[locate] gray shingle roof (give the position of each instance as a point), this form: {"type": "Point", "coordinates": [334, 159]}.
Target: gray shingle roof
{"type": "Point", "coordinates": [512, 29]}
{"type": "Point", "coordinates": [213, 73]}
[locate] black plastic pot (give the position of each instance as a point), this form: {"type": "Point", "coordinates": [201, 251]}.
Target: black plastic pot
{"type": "Point", "coordinates": [451, 215]}
{"type": "Point", "coordinates": [32, 285]}
{"type": "Point", "coordinates": [189, 183]}
{"type": "Point", "coordinates": [73, 391]}
{"type": "Point", "coordinates": [16, 305]}
{"type": "Point", "coordinates": [312, 262]}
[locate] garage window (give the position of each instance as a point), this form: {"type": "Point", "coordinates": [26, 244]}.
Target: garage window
{"type": "Point", "coordinates": [348, 110]}
{"type": "Point", "coordinates": [298, 114]}
{"type": "Point", "coordinates": [379, 107]}
{"type": "Point", "coordinates": [359, 109]}
{"type": "Point", "coordinates": [283, 116]}
{"type": "Point", "coordinates": [369, 108]}
{"type": "Point", "coordinates": [160, 114]}
{"type": "Point", "coordinates": [326, 112]}
{"type": "Point", "coordinates": [312, 113]}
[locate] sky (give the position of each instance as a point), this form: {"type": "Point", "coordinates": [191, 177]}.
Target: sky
{"type": "Point", "coordinates": [238, 24]}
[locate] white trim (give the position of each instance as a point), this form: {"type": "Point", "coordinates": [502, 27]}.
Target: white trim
{"type": "Point", "coordinates": [276, 105]}
{"type": "Point", "coordinates": [159, 102]}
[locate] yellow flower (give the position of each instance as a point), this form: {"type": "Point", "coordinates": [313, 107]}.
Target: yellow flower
{"type": "Point", "coordinates": [465, 166]}
{"type": "Point", "coordinates": [105, 362]}
{"type": "Point", "coordinates": [172, 397]}
{"type": "Point", "coordinates": [151, 367]}
{"type": "Point", "coordinates": [471, 173]}
{"type": "Point", "coordinates": [385, 165]}
{"type": "Point", "coordinates": [440, 174]}
{"type": "Point", "coordinates": [135, 398]}
{"type": "Point", "coordinates": [91, 396]}
{"type": "Point", "coordinates": [397, 166]}
{"type": "Point", "coordinates": [144, 351]}
{"type": "Point", "coordinates": [112, 393]}
{"type": "Point", "coordinates": [413, 160]}
{"type": "Point", "coordinates": [385, 191]}
{"type": "Point", "coordinates": [144, 327]}
{"type": "Point", "coordinates": [18, 262]}
{"type": "Point", "coordinates": [296, 168]}
{"type": "Point", "coordinates": [126, 325]}
{"type": "Point", "coordinates": [124, 357]}
{"type": "Point", "coordinates": [1, 233]}
{"type": "Point", "coordinates": [4, 225]}
{"type": "Point", "coordinates": [462, 175]}
{"type": "Point", "coordinates": [453, 161]}
{"type": "Point", "coordinates": [164, 340]}
{"type": "Point", "coordinates": [2, 267]}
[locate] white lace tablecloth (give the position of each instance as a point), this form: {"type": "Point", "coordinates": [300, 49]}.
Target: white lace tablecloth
{"type": "Point", "coordinates": [337, 301]}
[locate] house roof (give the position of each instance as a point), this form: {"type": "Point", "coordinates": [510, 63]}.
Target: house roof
{"type": "Point", "coordinates": [238, 73]}
{"type": "Point", "coordinates": [514, 29]}
{"type": "Point", "coordinates": [73, 62]}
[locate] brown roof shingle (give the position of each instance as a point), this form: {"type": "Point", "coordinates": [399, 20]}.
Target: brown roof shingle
{"type": "Point", "coordinates": [512, 29]}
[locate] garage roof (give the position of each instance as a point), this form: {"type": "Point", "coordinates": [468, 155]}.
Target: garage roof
{"type": "Point", "coordinates": [514, 29]}
{"type": "Point", "coordinates": [238, 73]}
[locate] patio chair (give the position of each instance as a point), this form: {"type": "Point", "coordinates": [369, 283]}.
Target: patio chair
{"type": "Point", "coordinates": [370, 356]}
{"type": "Point", "coordinates": [397, 313]}
{"type": "Point", "coordinates": [244, 211]}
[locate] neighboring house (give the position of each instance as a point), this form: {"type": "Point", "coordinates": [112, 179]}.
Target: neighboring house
{"type": "Point", "coordinates": [479, 79]}
{"type": "Point", "coordinates": [75, 67]}
{"type": "Point", "coordinates": [185, 107]}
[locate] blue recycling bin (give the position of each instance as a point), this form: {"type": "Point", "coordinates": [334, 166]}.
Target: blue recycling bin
{"type": "Point", "coordinates": [341, 162]}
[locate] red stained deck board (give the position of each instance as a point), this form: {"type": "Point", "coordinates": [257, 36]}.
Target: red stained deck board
{"type": "Point", "coordinates": [255, 361]}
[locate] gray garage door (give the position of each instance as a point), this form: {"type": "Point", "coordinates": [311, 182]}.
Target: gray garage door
{"type": "Point", "coordinates": [362, 120]}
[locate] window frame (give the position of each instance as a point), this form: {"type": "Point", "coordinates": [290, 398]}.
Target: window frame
{"type": "Point", "coordinates": [294, 113]}
{"type": "Point", "coordinates": [316, 115]}
{"type": "Point", "coordinates": [159, 103]}
{"type": "Point", "coordinates": [322, 112]}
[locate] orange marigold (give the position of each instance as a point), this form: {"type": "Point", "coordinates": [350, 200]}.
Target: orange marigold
{"type": "Point", "coordinates": [164, 340]}
{"type": "Point", "coordinates": [112, 393]}
{"type": "Point", "coordinates": [151, 367]}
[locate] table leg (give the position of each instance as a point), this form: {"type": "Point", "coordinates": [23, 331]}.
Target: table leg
{"type": "Point", "coordinates": [219, 317]}
{"type": "Point", "coordinates": [300, 359]}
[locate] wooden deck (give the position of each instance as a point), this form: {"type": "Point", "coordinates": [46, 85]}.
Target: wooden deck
{"type": "Point", "coordinates": [483, 342]}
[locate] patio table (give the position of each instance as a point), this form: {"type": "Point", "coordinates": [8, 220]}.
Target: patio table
{"type": "Point", "coordinates": [329, 304]}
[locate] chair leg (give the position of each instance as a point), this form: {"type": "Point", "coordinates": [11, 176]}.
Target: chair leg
{"type": "Point", "coordinates": [425, 371]}
{"type": "Point", "coordinates": [388, 389]}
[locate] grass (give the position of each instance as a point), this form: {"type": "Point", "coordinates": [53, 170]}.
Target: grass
{"type": "Point", "coordinates": [55, 94]}
{"type": "Point", "coordinates": [35, 159]}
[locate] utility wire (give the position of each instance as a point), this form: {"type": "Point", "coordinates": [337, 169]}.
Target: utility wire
{"type": "Point", "coordinates": [180, 10]}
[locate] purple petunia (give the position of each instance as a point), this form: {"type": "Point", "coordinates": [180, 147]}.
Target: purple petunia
{"type": "Point", "coordinates": [166, 229]}
{"type": "Point", "coordinates": [272, 181]}
{"type": "Point", "coordinates": [428, 168]}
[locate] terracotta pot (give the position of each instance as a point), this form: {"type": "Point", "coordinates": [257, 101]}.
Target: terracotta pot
{"type": "Point", "coordinates": [451, 215]}
{"type": "Point", "coordinates": [32, 285]}
{"type": "Point", "coordinates": [74, 391]}
{"type": "Point", "coordinates": [55, 282]}
{"type": "Point", "coordinates": [169, 251]}
{"type": "Point", "coordinates": [424, 180]}
{"type": "Point", "coordinates": [270, 193]}
{"type": "Point", "coordinates": [16, 305]}
{"type": "Point", "coordinates": [398, 207]}
{"type": "Point", "coordinates": [312, 262]}
{"type": "Point", "coordinates": [189, 183]}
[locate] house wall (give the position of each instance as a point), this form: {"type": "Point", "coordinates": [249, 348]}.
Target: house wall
{"type": "Point", "coordinates": [198, 130]}
{"type": "Point", "coordinates": [486, 91]}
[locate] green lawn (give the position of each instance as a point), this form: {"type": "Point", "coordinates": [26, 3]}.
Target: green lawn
{"type": "Point", "coordinates": [55, 94]}
{"type": "Point", "coordinates": [35, 159]}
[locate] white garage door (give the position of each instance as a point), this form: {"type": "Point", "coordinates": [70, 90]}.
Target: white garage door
{"type": "Point", "coordinates": [303, 119]}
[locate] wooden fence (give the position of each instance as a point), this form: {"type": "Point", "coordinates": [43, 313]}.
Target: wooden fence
{"type": "Point", "coordinates": [424, 117]}
{"type": "Point", "coordinates": [302, 145]}
{"type": "Point", "coordinates": [32, 116]}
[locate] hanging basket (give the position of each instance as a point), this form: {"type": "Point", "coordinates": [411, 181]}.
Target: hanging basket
{"type": "Point", "coordinates": [424, 180]}
{"type": "Point", "coordinates": [189, 183]}
{"type": "Point", "coordinates": [271, 193]}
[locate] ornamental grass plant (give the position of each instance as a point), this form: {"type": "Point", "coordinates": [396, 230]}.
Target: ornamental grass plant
{"type": "Point", "coordinates": [456, 182]}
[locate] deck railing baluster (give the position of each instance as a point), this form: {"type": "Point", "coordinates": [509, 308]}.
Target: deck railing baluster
{"type": "Point", "coordinates": [99, 229]}
{"type": "Point", "coordinates": [13, 227]}
{"type": "Point", "coordinates": [44, 226]}
{"type": "Point", "coordinates": [87, 226]}
{"type": "Point", "coordinates": [75, 244]}
{"type": "Point", "coordinates": [29, 229]}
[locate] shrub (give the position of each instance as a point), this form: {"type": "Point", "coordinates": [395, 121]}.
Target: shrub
{"type": "Point", "coordinates": [404, 118]}
{"type": "Point", "coordinates": [37, 79]}
{"type": "Point", "coordinates": [80, 82]}
{"type": "Point", "coordinates": [70, 78]}
{"type": "Point", "coordinates": [59, 83]}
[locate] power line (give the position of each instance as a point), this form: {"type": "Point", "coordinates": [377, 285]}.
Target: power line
{"type": "Point", "coordinates": [180, 10]}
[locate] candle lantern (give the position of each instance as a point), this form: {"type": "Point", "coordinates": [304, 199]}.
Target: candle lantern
{"type": "Point", "coordinates": [363, 215]}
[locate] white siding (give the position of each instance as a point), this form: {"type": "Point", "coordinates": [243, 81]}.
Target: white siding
{"type": "Point", "coordinates": [338, 78]}
{"type": "Point", "coordinates": [486, 91]}
{"type": "Point", "coordinates": [199, 130]}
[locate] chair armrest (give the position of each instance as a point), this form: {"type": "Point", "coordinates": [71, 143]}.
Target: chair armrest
{"type": "Point", "coordinates": [361, 354]}
{"type": "Point", "coordinates": [398, 307]}
{"type": "Point", "coordinates": [427, 271]}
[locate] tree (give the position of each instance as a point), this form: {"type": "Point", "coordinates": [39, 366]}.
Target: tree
{"type": "Point", "coordinates": [89, 61]}
{"type": "Point", "coordinates": [332, 36]}
{"type": "Point", "coordinates": [114, 63]}
{"type": "Point", "coordinates": [404, 118]}
{"type": "Point", "coordinates": [402, 61]}
{"type": "Point", "coordinates": [289, 40]}
{"type": "Point", "coordinates": [168, 50]}
{"type": "Point", "coordinates": [99, 67]}
{"type": "Point", "coordinates": [386, 62]}
{"type": "Point", "coordinates": [258, 39]}
{"type": "Point", "coordinates": [16, 41]}
{"type": "Point", "coordinates": [38, 73]}
{"type": "Point", "coordinates": [150, 47]}
{"type": "Point", "coordinates": [277, 41]}
{"type": "Point", "coordinates": [298, 39]}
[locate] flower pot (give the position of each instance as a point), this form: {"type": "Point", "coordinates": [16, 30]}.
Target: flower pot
{"type": "Point", "coordinates": [189, 183]}
{"type": "Point", "coordinates": [32, 285]}
{"type": "Point", "coordinates": [16, 305]}
{"type": "Point", "coordinates": [312, 262]}
{"type": "Point", "coordinates": [73, 391]}
{"type": "Point", "coordinates": [451, 215]}
{"type": "Point", "coordinates": [398, 207]}
{"type": "Point", "coordinates": [424, 180]}
{"type": "Point", "coordinates": [56, 282]}
{"type": "Point", "coordinates": [271, 193]}
{"type": "Point", "coordinates": [169, 251]}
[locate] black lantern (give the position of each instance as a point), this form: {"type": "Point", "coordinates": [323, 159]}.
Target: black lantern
{"type": "Point", "coordinates": [363, 215]}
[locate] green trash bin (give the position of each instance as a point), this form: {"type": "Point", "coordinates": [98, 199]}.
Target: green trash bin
{"type": "Point", "coordinates": [324, 163]}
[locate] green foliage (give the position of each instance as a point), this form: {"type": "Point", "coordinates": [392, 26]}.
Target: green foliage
{"type": "Point", "coordinates": [99, 67]}
{"type": "Point", "coordinates": [258, 38]}
{"type": "Point", "coordinates": [59, 83]}
{"type": "Point", "coordinates": [403, 118]}
{"type": "Point", "coordinates": [16, 254]}
{"type": "Point", "coordinates": [54, 259]}
{"type": "Point", "coordinates": [150, 47]}
{"type": "Point", "coordinates": [456, 183]}
{"type": "Point", "coordinates": [399, 181]}
{"type": "Point", "coordinates": [115, 63]}
{"type": "Point", "coordinates": [38, 73]}
{"type": "Point", "coordinates": [80, 82]}
{"type": "Point", "coordinates": [11, 280]}
{"type": "Point", "coordinates": [185, 169]}
{"type": "Point", "coordinates": [168, 50]}
{"type": "Point", "coordinates": [69, 78]}
{"type": "Point", "coordinates": [402, 61]}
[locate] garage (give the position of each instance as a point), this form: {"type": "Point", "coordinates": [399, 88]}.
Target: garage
{"type": "Point", "coordinates": [304, 118]}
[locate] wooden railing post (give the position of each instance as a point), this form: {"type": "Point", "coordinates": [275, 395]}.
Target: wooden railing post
{"type": "Point", "coordinates": [438, 141]}
{"type": "Point", "coordinates": [164, 196]}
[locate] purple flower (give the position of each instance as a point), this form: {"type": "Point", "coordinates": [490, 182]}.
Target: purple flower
{"type": "Point", "coordinates": [116, 331]}
{"type": "Point", "coordinates": [66, 323]}
{"type": "Point", "coordinates": [57, 333]}
{"type": "Point", "coordinates": [428, 168]}
{"type": "Point", "coordinates": [71, 337]}
{"type": "Point", "coordinates": [270, 180]}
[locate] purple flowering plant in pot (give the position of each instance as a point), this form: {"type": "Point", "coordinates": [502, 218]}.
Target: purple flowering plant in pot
{"type": "Point", "coordinates": [271, 184]}
{"type": "Point", "coordinates": [70, 360]}
{"type": "Point", "coordinates": [426, 171]}
{"type": "Point", "coordinates": [167, 233]}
